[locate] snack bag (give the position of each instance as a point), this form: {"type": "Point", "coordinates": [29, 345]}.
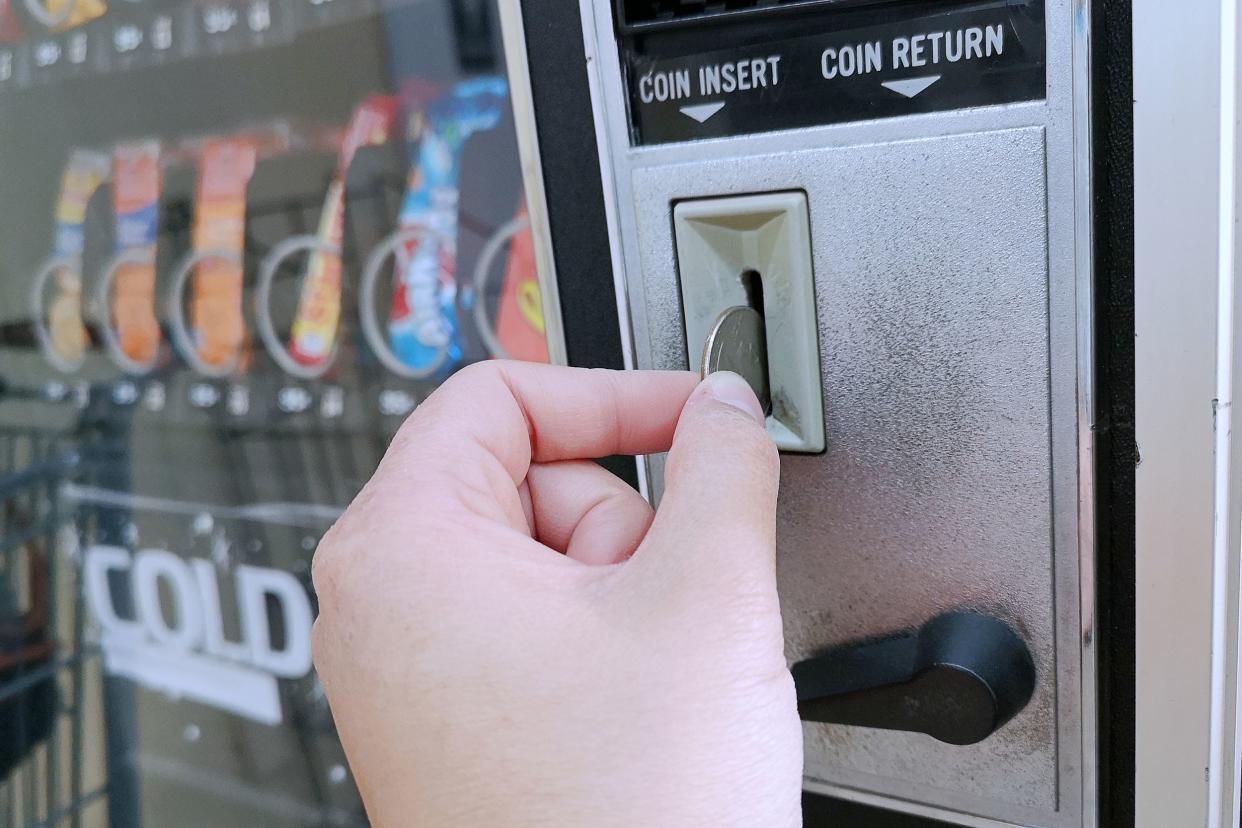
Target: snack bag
{"type": "Point", "coordinates": [70, 14]}
{"type": "Point", "coordinates": [422, 325]}
{"type": "Point", "coordinates": [10, 26]}
{"type": "Point", "coordinates": [220, 230]}
{"type": "Point", "coordinates": [319, 305]}
{"type": "Point", "coordinates": [136, 193]}
{"type": "Point", "coordinates": [519, 319]}
{"type": "Point", "coordinates": [84, 173]}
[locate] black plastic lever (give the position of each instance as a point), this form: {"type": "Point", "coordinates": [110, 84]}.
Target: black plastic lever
{"type": "Point", "coordinates": [957, 678]}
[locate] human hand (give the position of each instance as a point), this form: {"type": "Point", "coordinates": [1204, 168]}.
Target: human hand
{"type": "Point", "coordinates": [508, 638]}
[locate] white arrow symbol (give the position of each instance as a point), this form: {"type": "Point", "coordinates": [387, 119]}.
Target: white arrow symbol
{"type": "Point", "coordinates": [701, 112]}
{"type": "Point", "coordinates": [910, 86]}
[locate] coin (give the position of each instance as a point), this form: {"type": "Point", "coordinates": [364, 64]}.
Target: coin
{"type": "Point", "coordinates": [736, 342]}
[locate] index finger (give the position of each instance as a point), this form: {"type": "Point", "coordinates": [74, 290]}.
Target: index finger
{"type": "Point", "coordinates": [516, 413]}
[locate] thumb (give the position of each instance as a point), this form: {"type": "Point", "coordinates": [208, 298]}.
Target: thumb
{"type": "Point", "coordinates": [718, 513]}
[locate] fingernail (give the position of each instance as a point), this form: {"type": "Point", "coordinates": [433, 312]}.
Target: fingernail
{"type": "Point", "coordinates": [730, 389]}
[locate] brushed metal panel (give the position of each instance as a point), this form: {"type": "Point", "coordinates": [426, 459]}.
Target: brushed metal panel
{"type": "Point", "coordinates": [935, 492]}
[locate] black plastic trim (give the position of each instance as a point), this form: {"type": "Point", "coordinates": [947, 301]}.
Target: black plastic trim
{"type": "Point", "coordinates": [626, 25]}
{"type": "Point", "coordinates": [1116, 448]}
{"type": "Point", "coordinates": [575, 192]}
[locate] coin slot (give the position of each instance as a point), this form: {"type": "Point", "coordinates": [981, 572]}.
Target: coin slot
{"type": "Point", "coordinates": [752, 283]}
{"type": "Point", "coordinates": [755, 251]}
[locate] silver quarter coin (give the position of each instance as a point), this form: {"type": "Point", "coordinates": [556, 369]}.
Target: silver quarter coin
{"type": "Point", "coordinates": [737, 343]}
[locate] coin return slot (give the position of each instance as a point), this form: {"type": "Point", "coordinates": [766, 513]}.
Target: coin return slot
{"type": "Point", "coordinates": [756, 251]}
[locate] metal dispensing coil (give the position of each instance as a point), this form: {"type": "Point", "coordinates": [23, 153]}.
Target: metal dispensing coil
{"type": "Point", "coordinates": [179, 328]}
{"type": "Point", "coordinates": [103, 293]}
{"type": "Point", "coordinates": [271, 265]}
{"type": "Point", "coordinates": [392, 246]}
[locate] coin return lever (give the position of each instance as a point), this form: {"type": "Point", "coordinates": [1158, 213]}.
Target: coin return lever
{"type": "Point", "coordinates": [755, 251]}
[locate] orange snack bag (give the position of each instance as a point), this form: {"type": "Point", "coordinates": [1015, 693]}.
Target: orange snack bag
{"type": "Point", "coordinates": [136, 193]}
{"type": "Point", "coordinates": [219, 235]}
{"type": "Point", "coordinates": [319, 306]}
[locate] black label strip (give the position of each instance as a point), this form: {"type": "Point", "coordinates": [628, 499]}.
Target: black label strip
{"type": "Point", "coordinates": [965, 56]}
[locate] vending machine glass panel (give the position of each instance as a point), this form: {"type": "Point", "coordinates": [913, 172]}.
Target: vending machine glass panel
{"type": "Point", "coordinates": [240, 240]}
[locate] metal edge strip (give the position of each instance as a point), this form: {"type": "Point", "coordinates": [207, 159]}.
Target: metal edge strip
{"type": "Point", "coordinates": [1231, 103]}
{"type": "Point", "coordinates": [911, 807]}
{"type": "Point", "coordinates": [1084, 267]}
{"type": "Point", "coordinates": [1223, 779]}
{"type": "Point", "coordinates": [625, 320]}
{"type": "Point", "coordinates": [513, 36]}
{"type": "Point", "coordinates": [590, 45]}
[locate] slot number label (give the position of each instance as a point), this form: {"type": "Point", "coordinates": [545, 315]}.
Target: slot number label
{"type": "Point", "coordinates": [132, 43]}
{"type": "Point", "coordinates": [8, 68]}
{"type": "Point", "coordinates": [54, 57]}
{"type": "Point", "coordinates": [222, 25]}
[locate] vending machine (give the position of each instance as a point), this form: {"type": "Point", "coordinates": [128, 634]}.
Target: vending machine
{"type": "Point", "coordinates": [992, 245]}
